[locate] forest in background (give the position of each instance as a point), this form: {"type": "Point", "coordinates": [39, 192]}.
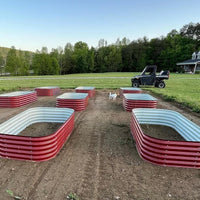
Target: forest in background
{"type": "Point", "coordinates": [122, 56]}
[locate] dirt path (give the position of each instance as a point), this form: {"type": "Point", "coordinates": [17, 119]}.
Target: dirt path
{"type": "Point", "coordinates": [98, 162]}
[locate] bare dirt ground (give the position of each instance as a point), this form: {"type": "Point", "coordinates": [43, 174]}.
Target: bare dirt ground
{"type": "Point", "coordinates": [98, 162]}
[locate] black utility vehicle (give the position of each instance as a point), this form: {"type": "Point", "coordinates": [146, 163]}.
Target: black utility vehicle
{"type": "Point", "coordinates": [149, 77]}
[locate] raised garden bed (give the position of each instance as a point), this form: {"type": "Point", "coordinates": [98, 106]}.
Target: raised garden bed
{"type": "Point", "coordinates": [17, 99]}
{"type": "Point", "coordinates": [76, 101]}
{"type": "Point", "coordinates": [15, 146]}
{"type": "Point", "coordinates": [47, 91]}
{"type": "Point", "coordinates": [131, 101]}
{"type": "Point", "coordinates": [167, 152]}
{"type": "Point", "coordinates": [131, 90]}
{"type": "Point", "coordinates": [84, 89]}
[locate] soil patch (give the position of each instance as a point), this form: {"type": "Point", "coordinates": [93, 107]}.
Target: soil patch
{"type": "Point", "coordinates": [40, 129]}
{"type": "Point", "coordinates": [161, 132]}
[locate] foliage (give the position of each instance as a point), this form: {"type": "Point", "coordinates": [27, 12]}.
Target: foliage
{"type": "Point", "coordinates": [18, 62]}
{"type": "Point", "coordinates": [80, 56]}
{"type": "Point", "coordinates": [12, 195]}
{"type": "Point", "coordinates": [72, 196]}
{"type": "Point", "coordinates": [122, 56]}
{"type": "Point", "coordinates": [44, 64]}
{"type": "Point", "coordinates": [14, 61]}
{"type": "Point", "coordinates": [191, 30]}
{"type": "Point", "coordinates": [2, 63]}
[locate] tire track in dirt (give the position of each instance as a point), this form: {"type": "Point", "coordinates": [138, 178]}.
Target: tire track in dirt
{"type": "Point", "coordinates": [91, 169]}
{"type": "Point", "coordinates": [38, 181]}
{"type": "Point", "coordinates": [94, 168]}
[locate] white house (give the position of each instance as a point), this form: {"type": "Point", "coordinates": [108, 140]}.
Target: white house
{"type": "Point", "coordinates": [191, 65]}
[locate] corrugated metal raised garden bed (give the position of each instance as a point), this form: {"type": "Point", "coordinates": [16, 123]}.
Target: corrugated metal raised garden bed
{"type": "Point", "coordinates": [167, 152]}
{"type": "Point", "coordinates": [47, 91]}
{"type": "Point", "coordinates": [85, 89]}
{"type": "Point", "coordinates": [131, 90]}
{"type": "Point", "coordinates": [15, 146]}
{"type": "Point", "coordinates": [17, 99]}
{"type": "Point", "coordinates": [131, 101]}
{"type": "Point", "coordinates": [76, 101]}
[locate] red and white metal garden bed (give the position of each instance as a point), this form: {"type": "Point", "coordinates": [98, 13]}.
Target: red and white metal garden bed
{"type": "Point", "coordinates": [47, 91]}
{"type": "Point", "coordinates": [85, 89]}
{"type": "Point", "coordinates": [131, 90]}
{"type": "Point", "coordinates": [43, 148]}
{"type": "Point", "coordinates": [167, 152]}
{"type": "Point", "coordinates": [76, 101]}
{"type": "Point", "coordinates": [17, 99]}
{"type": "Point", "coordinates": [131, 101]}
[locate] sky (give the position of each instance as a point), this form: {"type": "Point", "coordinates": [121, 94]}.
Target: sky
{"type": "Point", "coordinates": [33, 24]}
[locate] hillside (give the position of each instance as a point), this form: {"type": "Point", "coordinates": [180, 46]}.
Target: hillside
{"type": "Point", "coordinates": [5, 50]}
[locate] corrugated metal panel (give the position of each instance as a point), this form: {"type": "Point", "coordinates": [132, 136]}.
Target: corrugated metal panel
{"type": "Point", "coordinates": [132, 90]}
{"type": "Point", "coordinates": [165, 152]}
{"type": "Point", "coordinates": [76, 101]}
{"type": "Point", "coordinates": [35, 148]}
{"type": "Point", "coordinates": [131, 101]}
{"type": "Point", "coordinates": [17, 99]}
{"type": "Point", "coordinates": [85, 89]}
{"type": "Point", "coordinates": [47, 91]}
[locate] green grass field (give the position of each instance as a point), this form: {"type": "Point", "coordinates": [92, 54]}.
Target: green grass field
{"type": "Point", "coordinates": [182, 88]}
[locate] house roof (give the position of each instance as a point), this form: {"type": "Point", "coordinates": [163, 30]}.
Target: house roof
{"type": "Point", "coordinates": [189, 62]}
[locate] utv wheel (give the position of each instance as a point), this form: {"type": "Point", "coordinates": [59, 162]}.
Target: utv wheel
{"type": "Point", "coordinates": [135, 83]}
{"type": "Point", "coordinates": [161, 84]}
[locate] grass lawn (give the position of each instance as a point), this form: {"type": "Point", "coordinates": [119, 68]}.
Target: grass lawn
{"type": "Point", "coordinates": [183, 88]}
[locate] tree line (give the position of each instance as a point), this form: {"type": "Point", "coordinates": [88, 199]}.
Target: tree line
{"type": "Point", "coordinates": [122, 56]}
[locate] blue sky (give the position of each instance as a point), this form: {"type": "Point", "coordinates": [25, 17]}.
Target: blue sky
{"type": "Point", "coordinates": [32, 24]}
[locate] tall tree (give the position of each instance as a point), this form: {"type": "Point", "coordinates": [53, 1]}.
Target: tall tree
{"type": "Point", "coordinates": [91, 59]}
{"type": "Point", "coordinates": [69, 63]}
{"type": "Point", "coordinates": [114, 59]}
{"type": "Point", "coordinates": [80, 55]}
{"type": "Point", "coordinates": [45, 64]}
{"type": "Point", "coordinates": [23, 64]}
{"type": "Point", "coordinates": [191, 31]}
{"type": "Point", "coordinates": [2, 63]}
{"type": "Point", "coordinates": [11, 62]}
